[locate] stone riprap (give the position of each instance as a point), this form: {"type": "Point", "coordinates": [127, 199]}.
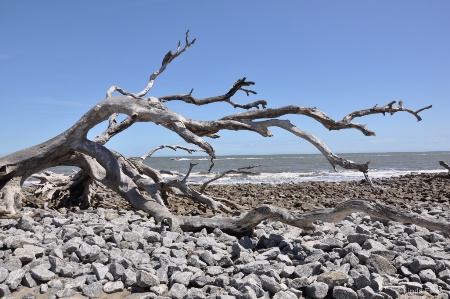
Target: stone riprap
{"type": "Point", "coordinates": [102, 253]}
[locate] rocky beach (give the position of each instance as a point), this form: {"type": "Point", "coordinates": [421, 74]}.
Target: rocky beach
{"type": "Point", "coordinates": [113, 251]}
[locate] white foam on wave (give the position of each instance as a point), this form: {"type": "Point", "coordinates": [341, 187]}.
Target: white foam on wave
{"type": "Point", "coordinates": [285, 177]}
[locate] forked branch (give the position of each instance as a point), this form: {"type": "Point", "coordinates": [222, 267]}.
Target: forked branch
{"type": "Point", "coordinates": [388, 108]}
{"type": "Point", "coordinates": [173, 147]}
{"type": "Point", "coordinates": [165, 62]}
{"type": "Point", "coordinates": [238, 85]}
{"type": "Point", "coordinates": [240, 170]}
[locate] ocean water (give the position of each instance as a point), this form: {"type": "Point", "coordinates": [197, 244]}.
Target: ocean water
{"type": "Point", "coordinates": [294, 168]}
{"type": "Point", "coordinates": [306, 167]}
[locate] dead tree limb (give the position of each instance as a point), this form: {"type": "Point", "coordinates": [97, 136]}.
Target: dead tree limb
{"type": "Point", "coordinates": [388, 108]}
{"type": "Point", "coordinates": [445, 165]}
{"type": "Point", "coordinates": [222, 174]}
{"type": "Point", "coordinates": [142, 185]}
{"type": "Point", "coordinates": [173, 147]}
{"type": "Point", "coordinates": [245, 224]}
{"type": "Point", "coordinates": [238, 85]}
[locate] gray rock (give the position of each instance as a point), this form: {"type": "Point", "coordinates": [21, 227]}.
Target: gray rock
{"type": "Point", "coordinates": [194, 293]}
{"type": "Point", "coordinates": [380, 265]}
{"type": "Point", "coordinates": [287, 271]}
{"type": "Point", "coordinates": [4, 290]}
{"type": "Point", "coordinates": [421, 263]}
{"type": "Point", "coordinates": [72, 245]}
{"type": "Point", "coordinates": [357, 238]}
{"type": "Point", "coordinates": [351, 259]}
{"type": "Point", "coordinates": [56, 284]}
{"type": "Point", "coordinates": [177, 291]}
{"type": "Point", "coordinates": [88, 253]}
{"type": "Point", "coordinates": [371, 245]}
{"type": "Point", "coordinates": [412, 286]}
{"type": "Point", "coordinates": [113, 287]}
{"type": "Point", "coordinates": [67, 271]}
{"type": "Point", "coordinates": [58, 221]}
{"type": "Point", "coordinates": [74, 258]}
{"type": "Point", "coordinates": [181, 277]}
{"type": "Point", "coordinates": [12, 264]}
{"type": "Point", "coordinates": [317, 290]}
{"type": "Point", "coordinates": [214, 270]}
{"type": "Point", "coordinates": [247, 293]}
{"type": "Point", "coordinates": [116, 269]}
{"type": "Point", "coordinates": [333, 242]}
{"type": "Point", "coordinates": [56, 263]}
{"type": "Point", "coordinates": [368, 293]}
{"type": "Point", "coordinates": [285, 295]}
{"type": "Point", "coordinates": [303, 270]}
{"type": "Point", "coordinates": [225, 261]}
{"type": "Point", "coordinates": [146, 279]}
{"type": "Point", "coordinates": [76, 283]}
{"type": "Point", "coordinates": [26, 223]}
{"type": "Point", "coordinates": [394, 291]}
{"type": "Point", "coordinates": [269, 284]}
{"type": "Point", "coordinates": [351, 247]}
{"type": "Point", "coordinates": [162, 271]}
{"type": "Point", "coordinates": [237, 249]}
{"type": "Point", "coordinates": [24, 255]}
{"type": "Point", "coordinates": [340, 292]}
{"type": "Point", "coordinates": [298, 283]}
{"type": "Point", "coordinates": [445, 274]}
{"type": "Point", "coordinates": [333, 278]}
{"type": "Point", "coordinates": [129, 278]}
{"type": "Point", "coordinates": [14, 278]}
{"type": "Point", "coordinates": [17, 241]}
{"type": "Point", "coordinates": [207, 257]}
{"type": "Point", "coordinates": [390, 255]}
{"type": "Point", "coordinates": [269, 254]}
{"type": "Point", "coordinates": [222, 281]}
{"type": "Point", "coordinates": [254, 266]}
{"type": "Point", "coordinates": [42, 273]}
{"type": "Point", "coordinates": [151, 236]}
{"type": "Point", "coordinates": [93, 290]}
{"type": "Point", "coordinates": [427, 275]}
{"type": "Point", "coordinates": [99, 270]}
{"type": "Point", "coordinates": [195, 261]}
{"type": "Point", "coordinates": [28, 280]}
{"type": "Point", "coordinates": [376, 283]}
{"type": "Point", "coordinates": [132, 236]}
{"type": "Point", "coordinates": [3, 274]}
{"type": "Point", "coordinates": [160, 290]}
{"type": "Point", "coordinates": [66, 293]}
{"type": "Point", "coordinates": [419, 243]}
{"type": "Point", "coordinates": [283, 258]}
{"type": "Point", "coordinates": [206, 242]}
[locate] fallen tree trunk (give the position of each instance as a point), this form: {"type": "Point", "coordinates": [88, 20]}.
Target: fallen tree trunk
{"type": "Point", "coordinates": [144, 187]}
{"type": "Point", "coordinates": [245, 224]}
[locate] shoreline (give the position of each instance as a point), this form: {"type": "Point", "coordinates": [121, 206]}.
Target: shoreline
{"type": "Point", "coordinates": [425, 190]}
{"type": "Point", "coordinates": [119, 253]}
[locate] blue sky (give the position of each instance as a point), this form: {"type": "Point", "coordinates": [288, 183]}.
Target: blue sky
{"type": "Point", "coordinates": [58, 59]}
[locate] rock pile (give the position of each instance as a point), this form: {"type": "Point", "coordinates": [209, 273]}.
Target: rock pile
{"type": "Point", "coordinates": [103, 252]}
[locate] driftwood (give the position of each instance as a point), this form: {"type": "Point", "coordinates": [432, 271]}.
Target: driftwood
{"type": "Point", "coordinates": [145, 188]}
{"type": "Point", "coordinates": [445, 165]}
